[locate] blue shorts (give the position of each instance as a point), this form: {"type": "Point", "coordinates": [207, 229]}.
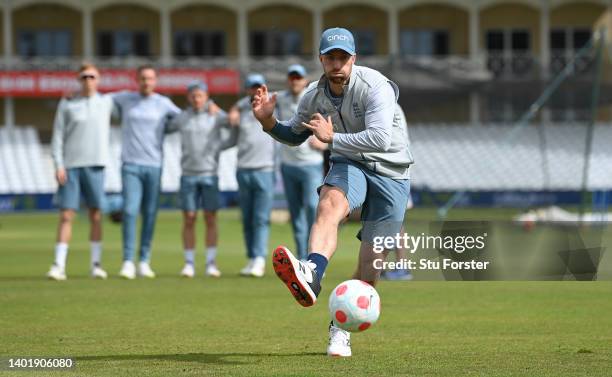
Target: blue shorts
{"type": "Point", "coordinates": [88, 181]}
{"type": "Point", "coordinates": [383, 200]}
{"type": "Point", "coordinates": [199, 192]}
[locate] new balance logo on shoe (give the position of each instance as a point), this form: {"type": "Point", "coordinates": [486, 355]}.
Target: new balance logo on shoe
{"type": "Point", "coordinates": [299, 277]}
{"type": "Point", "coordinates": [306, 272]}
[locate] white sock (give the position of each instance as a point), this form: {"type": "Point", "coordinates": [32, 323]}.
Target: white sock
{"type": "Point", "coordinates": [189, 256]}
{"type": "Point", "coordinates": [61, 251]}
{"type": "Point", "coordinates": [211, 254]}
{"type": "Point", "coordinates": [96, 252]}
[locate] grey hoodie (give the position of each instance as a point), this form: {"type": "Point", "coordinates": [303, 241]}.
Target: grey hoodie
{"type": "Point", "coordinates": [81, 131]}
{"type": "Point", "coordinates": [203, 137]}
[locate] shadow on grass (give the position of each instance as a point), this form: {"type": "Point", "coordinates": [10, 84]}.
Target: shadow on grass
{"type": "Point", "coordinates": [227, 275]}
{"type": "Point", "coordinates": [40, 277]}
{"type": "Point", "coordinates": [114, 277]}
{"type": "Point", "coordinates": [205, 358]}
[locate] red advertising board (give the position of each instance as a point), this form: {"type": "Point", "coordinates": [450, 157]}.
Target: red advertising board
{"type": "Point", "coordinates": [170, 81]}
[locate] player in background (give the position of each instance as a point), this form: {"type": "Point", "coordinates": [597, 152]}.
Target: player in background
{"type": "Point", "coordinates": [400, 255]}
{"type": "Point", "coordinates": [80, 149]}
{"type": "Point", "coordinates": [202, 140]}
{"type": "Point", "coordinates": [301, 166]}
{"type": "Point", "coordinates": [255, 175]}
{"type": "Point", "coordinates": [400, 252]}
{"type": "Point", "coordinates": [144, 118]}
{"type": "Point", "coordinates": [352, 109]}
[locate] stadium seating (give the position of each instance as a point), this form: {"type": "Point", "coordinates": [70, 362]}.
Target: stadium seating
{"type": "Point", "coordinates": [23, 168]}
{"type": "Point", "coordinates": [502, 157]}
{"type": "Point", "coordinates": [449, 157]}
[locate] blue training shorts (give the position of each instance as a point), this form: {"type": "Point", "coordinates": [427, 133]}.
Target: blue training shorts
{"type": "Point", "coordinates": [199, 192]}
{"type": "Point", "coordinates": [86, 181]}
{"type": "Point", "coordinates": [383, 200]}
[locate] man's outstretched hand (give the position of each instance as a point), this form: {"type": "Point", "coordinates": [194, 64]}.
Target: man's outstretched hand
{"type": "Point", "coordinates": [263, 108]}
{"type": "Point", "coordinates": [322, 128]}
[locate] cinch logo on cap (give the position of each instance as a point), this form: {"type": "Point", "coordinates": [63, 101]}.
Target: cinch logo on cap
{"type": "Point", "coordinates": [337, 37]}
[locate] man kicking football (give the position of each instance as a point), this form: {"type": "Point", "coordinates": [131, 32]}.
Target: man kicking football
{"type": "Point", "coordinates": [353, 110]}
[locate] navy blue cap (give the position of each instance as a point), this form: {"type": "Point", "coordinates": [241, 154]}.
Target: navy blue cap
{"type": "Point", "coordinates": [337, 38]}
{"type": "Point", "coordinates": [297, 69]}
{"type": "Point", "coordinates": [197, 85]}
{"type": "Point", "coordinates": [253, 79]}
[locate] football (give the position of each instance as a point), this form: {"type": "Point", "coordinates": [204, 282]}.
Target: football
{"type": "Point", "coordinates": [354, 305]}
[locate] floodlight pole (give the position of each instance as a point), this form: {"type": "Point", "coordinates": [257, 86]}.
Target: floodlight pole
{"type": "Point", "coordinates": [588, 143]}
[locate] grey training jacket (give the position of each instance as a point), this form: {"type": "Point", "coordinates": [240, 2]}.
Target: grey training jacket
{"type": "Point", "coordinates": [203, 137]}
{"type": "Point", "coordinates": [369, 127]}
{"type": "Point", "coordinates": [256, 150]}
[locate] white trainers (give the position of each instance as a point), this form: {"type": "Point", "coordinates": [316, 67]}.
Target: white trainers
{"type": "Point", "coordinates": [56, 273]}
{"type": "Point", "coordinates": [98, 273]}
{"type": "Point", "coordinates": [339, 342]}
{"type": "Point", "coordinates": [246, 271]}
{"type": "Point", "coordinates": [188, 271]}
{"type": "Point", "coordinates": [145, 271]}
{"type": "Point", "coordinates": [128, 270]}
{"type": "Point", "coordinates": [300, 278]}
{"type": "Point", "coordinates": [259, 267]}
{"type": "Point", "coordinates": [212, 270]}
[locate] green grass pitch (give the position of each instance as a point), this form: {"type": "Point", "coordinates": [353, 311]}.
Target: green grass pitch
{"type": "Point", "coordinates": [237, 326]}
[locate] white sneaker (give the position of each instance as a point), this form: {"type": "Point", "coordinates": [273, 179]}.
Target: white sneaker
{"type": "Point", "coordinates": [300, 278]}
{"type": "Point", "coordinates": [145, 271]}
{"type": "Point", "coordinates": [246, 271]}
{"type": "Point", "coordinates": [98, 273]}
{"type": "Point", "coordinates": [188, 271]}
{"type": "Point", "coordinates": [128, 270]}
{"type": "Point", "coordinates": [339, 342]}
{"type": "Point", "coordinates": [56, 273]}
{"type": "Point", "coordinates": [212, 270]}
{"type": "Point", "coordinates": [259, 267]}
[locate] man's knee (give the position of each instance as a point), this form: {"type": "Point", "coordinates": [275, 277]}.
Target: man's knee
{"type": "Point", "coordinates": [149, 210]}
{"type": "Point", "coordinates": [333, 205]}
{"type": "Point", "coordinates": [210, 218]}
{"type": "Point", "coordinates": [95, 215]}
{"type": "Point", "coordinates": [131, 208]}
{"type": "Point", "coordinates": [66, 216]}
{"type": "Point", "coordinates": [189, 219]}
{"type": "Point", "coordinates": [261, 219]}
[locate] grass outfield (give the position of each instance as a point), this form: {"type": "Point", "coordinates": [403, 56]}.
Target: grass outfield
{"type": "Point", "coordinates": [240, 326]}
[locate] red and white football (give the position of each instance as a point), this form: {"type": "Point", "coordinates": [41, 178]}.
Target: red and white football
{"type": "Point", "coordinates": [354, 305]}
